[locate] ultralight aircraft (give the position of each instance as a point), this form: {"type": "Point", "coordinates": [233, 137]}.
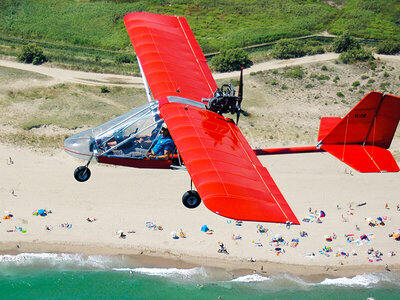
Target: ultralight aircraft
{"type": "Point", "coordinates": [228, 176]}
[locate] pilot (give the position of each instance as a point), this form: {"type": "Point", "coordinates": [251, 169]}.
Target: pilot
{"type": "Point", "coordinates": [163, 145]}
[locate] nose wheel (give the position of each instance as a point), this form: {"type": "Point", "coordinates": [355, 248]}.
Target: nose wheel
{"type": "Point", "coordinates": [191, 199]}
{"type": "Point", "coordinates": [82, 173]}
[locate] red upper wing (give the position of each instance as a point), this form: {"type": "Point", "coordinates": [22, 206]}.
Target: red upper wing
{"type": "Point", "coordinates": [170, 56]}
{"type": "Point", "coordinates": [227, 174]}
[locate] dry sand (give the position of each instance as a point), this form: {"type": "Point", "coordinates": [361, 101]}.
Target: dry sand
{"type": "Point", "coordinates": [125, 199]}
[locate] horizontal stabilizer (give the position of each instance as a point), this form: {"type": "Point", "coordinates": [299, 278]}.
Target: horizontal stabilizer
{"type": "Point", "coordinates": [365, 159]}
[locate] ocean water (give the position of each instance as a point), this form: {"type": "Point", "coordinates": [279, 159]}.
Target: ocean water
{"type": "Point", "coordinates": [73, 276]}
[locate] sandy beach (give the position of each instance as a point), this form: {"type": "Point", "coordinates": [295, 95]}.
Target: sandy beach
{"type": "Point", "coordinates": [125, 199]}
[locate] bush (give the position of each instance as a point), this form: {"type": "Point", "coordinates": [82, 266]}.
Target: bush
{"type": "Point", "coordinates": [288, 49]}
{"type": "Point", "coordinates": [231, 60]}
{"type": "Point", "coordinates": [344, 43]}
{"type": "Point", "coordinates": [340, 94]}
{"type": "Point", "coordinates": [353, 55]}
{"type": "Point", "coordinates": [323, 77]}
{"type": "Point", "coordinates": [356, 84]}
{"type": "Point", "coordinates": [125, 58]}
{"type": "Point", "coordinates": [388, 47]}
{"type": "Point", "coordinates": [32, 53]}
{"type": "Point", "coordinates": [104, 89]}
{"type": "Point", "coordinates": [297, 73]}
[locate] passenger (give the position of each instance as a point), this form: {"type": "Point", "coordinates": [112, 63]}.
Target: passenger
{"type": "Point", "coordinates": [163, 146]}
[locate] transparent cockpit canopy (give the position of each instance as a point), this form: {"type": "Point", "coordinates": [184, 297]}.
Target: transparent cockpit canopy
{"type": "Point", "coordinates": [129, 135]}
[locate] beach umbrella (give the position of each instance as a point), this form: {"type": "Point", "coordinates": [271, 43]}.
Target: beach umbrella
{"type": "Point", "coordinates": [322, 214]}
{"type": "Point", "coordinates": [379, 219]}
{"type": "Point", "coordinates": [41, 211]}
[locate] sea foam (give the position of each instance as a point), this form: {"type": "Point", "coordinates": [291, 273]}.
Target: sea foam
{"type": "Point", "coordinates": [56, 259]}
{"type": "Point", "coordinates": [166, 272]}
{"type": "Point", "coordinates": [251, 278]}
{"type": "Point", "coordinates": [364, 280]}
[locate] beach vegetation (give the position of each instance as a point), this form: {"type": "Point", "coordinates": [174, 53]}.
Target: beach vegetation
{"type": "Point", "coordinates": [340, 94]}
{"type": "Point", "coordinates": [388, 47]}
{"type": "Point", "coordinates": [32, 53]}
{"type": "Point", "coordinates": [356, 55]}
{"type": "Point", "coordinates": [344, 43]}
{"type": "Point", "coordinates": [230, 60]}
{"type": "Point", "coordinates": [296, 73]}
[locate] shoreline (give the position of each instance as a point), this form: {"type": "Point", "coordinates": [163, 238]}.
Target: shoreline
{"type": "Point", "coordinates": [236, 268]}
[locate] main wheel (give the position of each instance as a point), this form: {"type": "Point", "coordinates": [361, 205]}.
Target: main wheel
{"type": "Point", "coordinates": [191, 199]}
{"type": "Point", "coordinates": [82, 173]}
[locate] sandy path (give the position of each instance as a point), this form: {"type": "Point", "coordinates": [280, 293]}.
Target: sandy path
{"type": "Point", "coordinates": [90, 78]}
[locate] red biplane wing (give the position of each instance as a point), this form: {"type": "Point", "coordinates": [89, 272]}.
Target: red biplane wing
{"type": "Point", "coordinates": [170, 56]}
{"type": "Point", "coordinates": [228, 175]}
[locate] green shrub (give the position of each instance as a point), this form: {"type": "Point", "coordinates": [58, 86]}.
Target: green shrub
{"type": "Point", "coordinates": [386, 74]}
{"type": "Point", "coordinates": [274, 82]}
{"type": "Point", "coordinates": [353, 55]}
{"type": "Point", "coordinates": [383, 86]}
{"type": "Point", "coordinates": [355, 83]}
{"type": "Point", "coordinates": [324, 68]}
{"type": "Point", "coordinates": [344, 43]}
{"type": "Point", "coordinates": [104, 89]}
{"type": "Point", "coordinates": [288, 49]}
{"type": "Point", "coordinates": [388, 47]}
{"type": "Point", "coordinates": [32, 53]}
{"type": "Point", "coordinates": [371, 81]}
{"type": "Point", "coordinates": [309, 86]}
{"type": "Point", "coordinates": [323, 77]}
{"type": "Point", "coordinates": [297, 73]}
{"type": "Point", "coordinates": [340, 94]}
{"type": "Point", "coordinates": [363, 77]}
{"type": "Point", "coordinates": [336, 79]}
{"type": "Point", "coordinates": [125, 58]}
{"type": "Point", "coordinates": [231, 60]}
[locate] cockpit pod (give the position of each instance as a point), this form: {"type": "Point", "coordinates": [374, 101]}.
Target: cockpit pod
{"type": "Point", "coordinates": [129, 135]}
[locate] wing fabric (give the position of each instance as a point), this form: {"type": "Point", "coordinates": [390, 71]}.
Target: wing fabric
{"type": "Point", "coordinates": [170, 56]}
{"type": "Point", "coordinates": [227, 174]}
{"type": "Point", "coordinates": [373, 121]}
{"type": "Point", "coordinates": [361, 138]}
{"type": "Point", "coordinates": [364, 159]}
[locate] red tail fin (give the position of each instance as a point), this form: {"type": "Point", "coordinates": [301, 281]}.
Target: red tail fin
{"type": "Point", "coordinates": [361, 137]}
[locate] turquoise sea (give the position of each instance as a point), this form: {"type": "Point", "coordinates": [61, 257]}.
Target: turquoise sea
{"type": "Point", "coordinates": [73, 276]}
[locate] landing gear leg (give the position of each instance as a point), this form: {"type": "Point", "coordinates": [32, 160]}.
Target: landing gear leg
{"type": "Point", "coordinates": [83, 173]}
{"type": "Point", "coordinates": [191, 199]}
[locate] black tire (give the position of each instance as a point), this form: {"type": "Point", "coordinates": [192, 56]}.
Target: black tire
{"type": "Point", "coordinates": [82, 173]}
{"type": "Point", "coordinates": [191, 199]}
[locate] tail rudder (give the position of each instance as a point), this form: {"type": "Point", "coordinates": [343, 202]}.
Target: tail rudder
{"type": "Point", "coordinates": [361, 138]}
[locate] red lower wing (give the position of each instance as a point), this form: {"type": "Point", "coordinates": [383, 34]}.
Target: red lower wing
{"type": "Point", "coordinates": [227, 174]}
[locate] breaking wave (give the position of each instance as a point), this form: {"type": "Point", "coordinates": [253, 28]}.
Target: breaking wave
{"type": "Point", "coordinates": [364, 280]}
{"type": "Point", "coordinates": [57, 259]}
